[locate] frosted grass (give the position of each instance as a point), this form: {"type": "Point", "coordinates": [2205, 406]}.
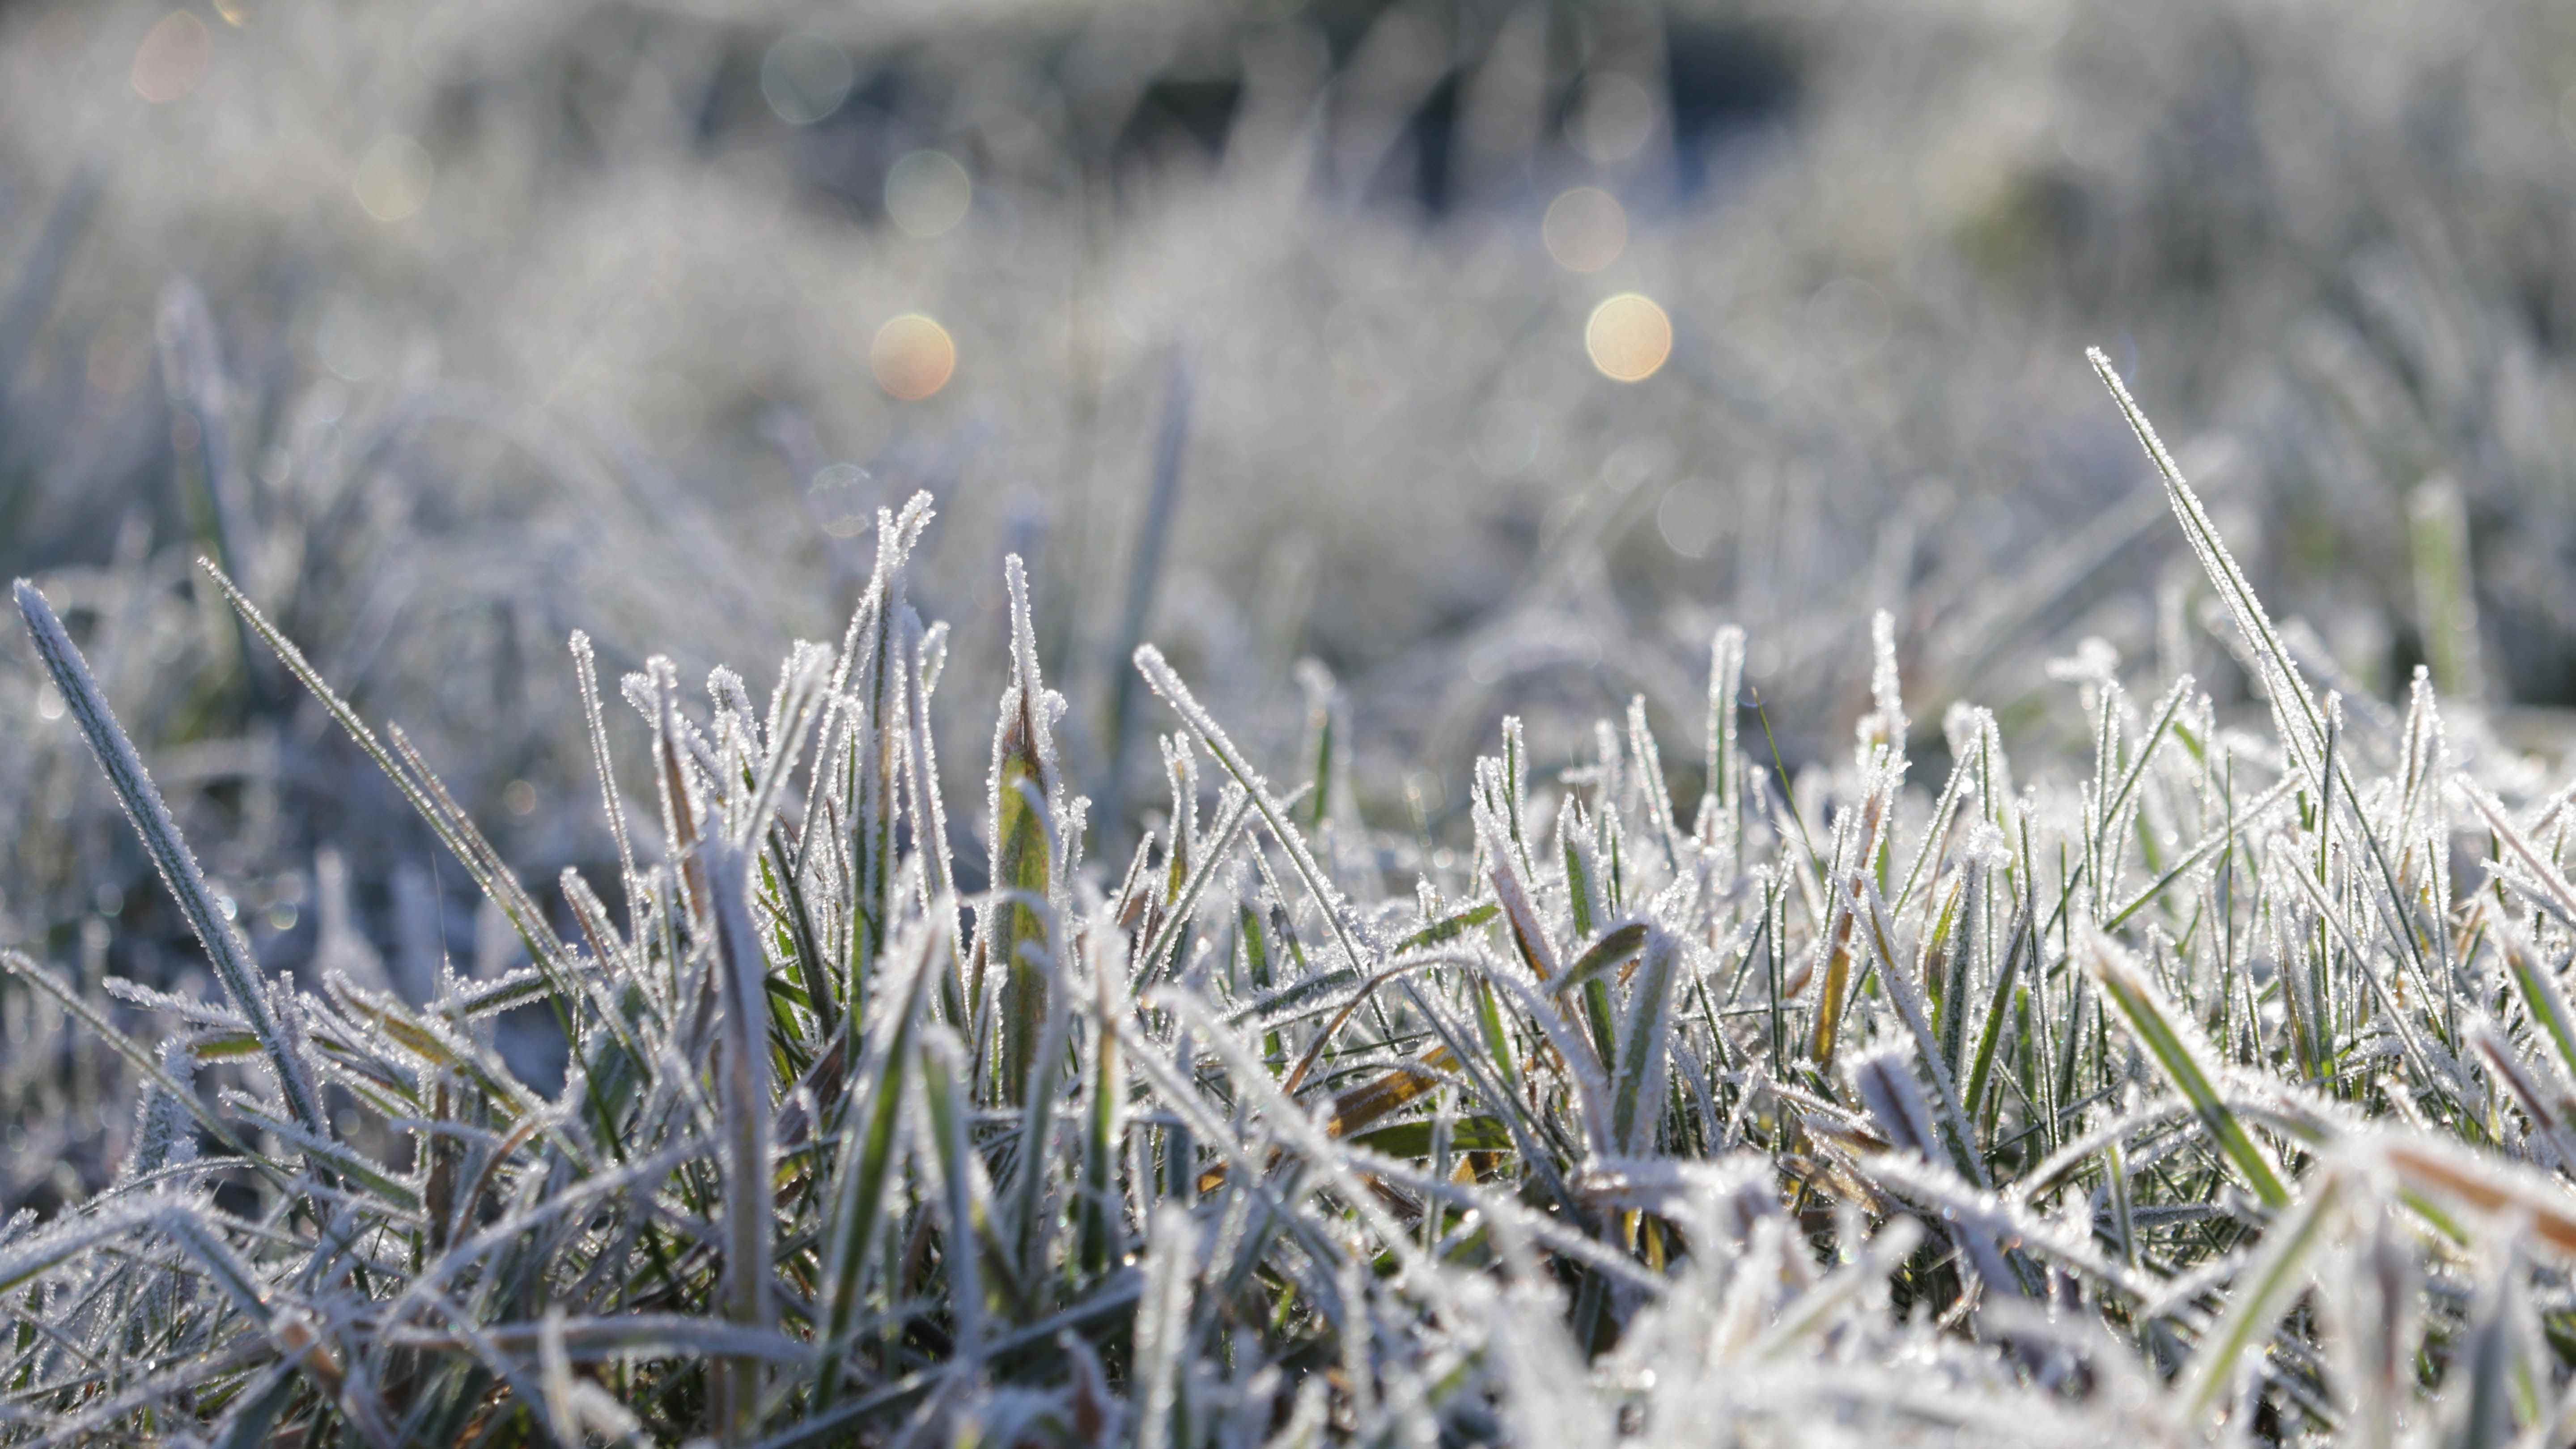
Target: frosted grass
{"type": "Point", "coordinates": [2179, 1093]}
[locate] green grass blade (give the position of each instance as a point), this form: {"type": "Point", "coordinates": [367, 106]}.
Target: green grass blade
{"type": "Point", "coordinates": [1645, 1046]}
{"type": "Point", "coordinates": [2173, 1040]}
{"type": "Point", "coordinates": [1024, 799]}
{"type": "Point", "coordinates": [866, 1165]}
{"type": "Point", "coordinates": [2260, 1296]}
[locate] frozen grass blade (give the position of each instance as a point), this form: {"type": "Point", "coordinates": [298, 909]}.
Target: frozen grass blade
{"type": "Point", "coordinates": [743, 1091]}
{"type": "Point", "coordinates": [930, 814]}
{"type": "Point", "coordinates": [1906, 993]}
{"type": "Point", "coordinates": [1100, 1207]}
{"type": "Point", "coordinates": [2018, 938]}
{"type": "Point", "coordinates": [1645, 1047]}
{"type": "Point", "coordinates": [1160, 957]}
{"type": "Point", "coordinates": [867, 1162]}
{"type": "Point", "coordinates": [1031, 1217]}
{"type": "Point", "coordinates": [1721, 822]}
{"type": "Point", "coordinates": [2486, 1184]}
{"type": "Point", "coordinates": [586, 673]}
{"type": "Point", "coordinates": [225, 948]}
{"type": "Point", "coordinates": [953, 1165]}
{"type": "Point", "coordinates": [2302, 727]}
{"type": "Point", "coordinates": [1856, 844]}
{"type": "Point", "coordinates": [2541, 996]}
{"type": "Point", "coordinates": [2262, 1294]}
{"type": "Point", "coordinates": [420, 788]}
{"type": "Point", "coordinates": [2175, 1044]}
{"type": "Point", "coordinates": [1167, 683]}
{"type": "Point", "coordinates": [1026, 796]}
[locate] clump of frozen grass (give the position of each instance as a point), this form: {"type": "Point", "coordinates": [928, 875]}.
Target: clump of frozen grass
{"type": "Point", "coordinates": [2199, 1098]}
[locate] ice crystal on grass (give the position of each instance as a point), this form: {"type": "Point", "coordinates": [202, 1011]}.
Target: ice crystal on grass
{"type": "Point", "coordinates": [2179, 1095]}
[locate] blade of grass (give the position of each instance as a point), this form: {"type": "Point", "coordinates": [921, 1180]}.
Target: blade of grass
{"type": "Point", "coordinates": [1016, 939]}
{"type": "Point", "coordinates": [866, 1164]}
{"type": "Point", "coordinates": [2261, 1295]}
{"type": "Point", "coordinates": [226, 949]}
{"type": "Point", "coordinates": [2175, 1044]}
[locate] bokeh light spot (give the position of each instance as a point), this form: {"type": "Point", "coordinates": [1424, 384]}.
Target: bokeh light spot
{"type": "Point", "coordinates": [1628, 337]}
{"type": "Point", "coordinates": [1618, 116]}
{"type": "Point", "coordinates": [927, 193]}
{"type": "Point", "coordinates": [1585, 229]}
{"type": "Point", "coordinates": [392, 182]}
{"type": "Point", "coordinates": [805, 77]}
{"type": "Point", "coordinates": [1689, 518]}
{"type": "Point", "coordinates": [912, 357]}
{"type": "Point", "coordinates": [840, 498]}
{"type": "Point", "coordinates": [172, 58]}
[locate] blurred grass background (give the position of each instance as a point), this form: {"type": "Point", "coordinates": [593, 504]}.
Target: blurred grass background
{"type": "Point", "coordinates": [1266, 331]}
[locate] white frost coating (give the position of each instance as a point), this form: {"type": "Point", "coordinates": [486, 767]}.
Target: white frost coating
{"type": "Point", "coordinates": [923, 799]}
{"type": "Point", "coordinates": [1724, 791]}
{"type": "Point", "coordinates": [1651, 785]}
{"type": "Point", "coordinates": [1028, 704]}
{"type": "Point", "coordinates": [1167, 683]}
{"type": "Point", "coordinates": [1885, 723]}
{"type": "Point", "coordinates": [764, 1203]}
{"type": "Point", "coordinates": [225, 948]}
{"type": "Point", "coordinates": [791, 715]}
{"type": "Point", "coordinates": [2302, 728]}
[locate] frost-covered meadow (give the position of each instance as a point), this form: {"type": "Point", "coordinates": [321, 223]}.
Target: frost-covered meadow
{"type": "Point", "coordinates": [1440, 723]}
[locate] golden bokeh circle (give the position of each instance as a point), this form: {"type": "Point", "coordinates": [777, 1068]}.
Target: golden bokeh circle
{"type": "Point", "coordinates": [912, 357]}
{"type": "Point", "coordinates": [1628, 337]}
